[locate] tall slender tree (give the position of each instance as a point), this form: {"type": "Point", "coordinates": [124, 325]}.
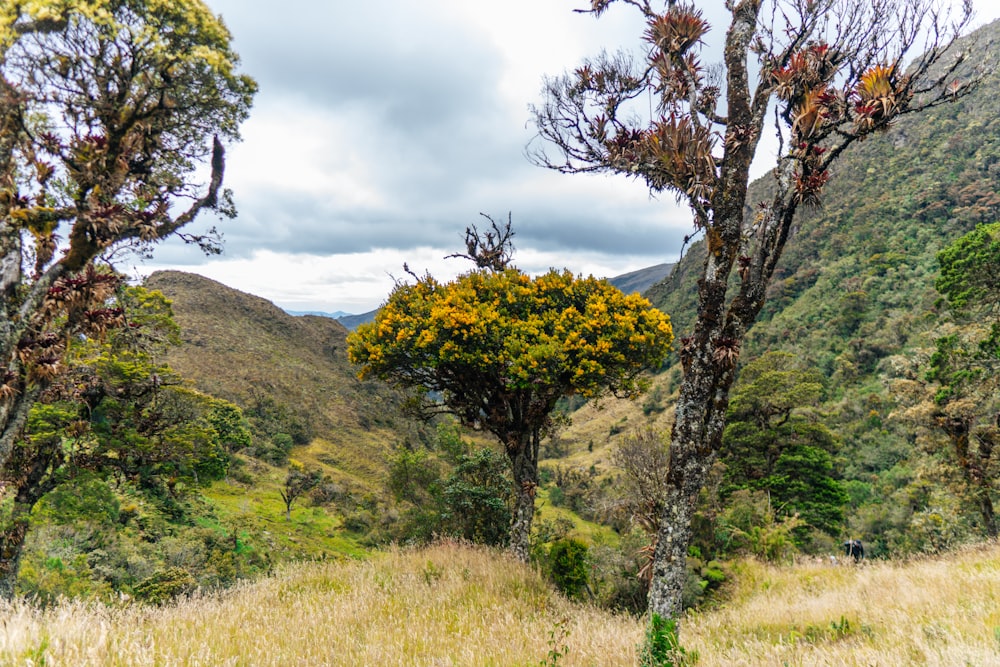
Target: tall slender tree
{"type": "Point", "coordinates": [110, 112]}
{"type": "Point", "coordinates": [827, 73]}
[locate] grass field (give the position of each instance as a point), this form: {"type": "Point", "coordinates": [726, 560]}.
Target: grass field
{"type": "Point", "coordinates": [451, 604]}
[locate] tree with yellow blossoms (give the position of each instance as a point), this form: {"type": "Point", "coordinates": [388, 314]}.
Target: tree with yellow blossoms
{"type": "Point", "coordinates": [498, 348]}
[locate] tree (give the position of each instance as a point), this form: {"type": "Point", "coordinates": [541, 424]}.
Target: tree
{"type": "Point", "coordinates": [773, 443]}
{"type": "Point", "coordinates": [298, 482]}
{"type": "Point", "coordinates": [500, 348]}
{"type": "Point", "coordinates": [451, 489]}
{"type": "Point", "coordinates": [475, 499]}
{"type": "Point", "coordinates": [110, 112]}
{"type": "Point", "coordinates": [964, 369]}
{"type": "Point", "coordinates": [114, 412]}
{"type": "Point", "coordinates": [835, 71]}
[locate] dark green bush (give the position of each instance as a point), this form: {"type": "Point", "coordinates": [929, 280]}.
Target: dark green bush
{"type": "Point", "coordinates": [569, 566]}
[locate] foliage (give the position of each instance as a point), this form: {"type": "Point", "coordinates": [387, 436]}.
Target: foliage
{"type": "Point", "coordinates": [639, 493]}
{"type": "Point", "coordinates": [568, 566]}
{"type": "Point", "coordinates": [968, 279]}
{"type": "Point", "coordinates": [298, 482]}
{"type": "Point", "coordinates": [556, 636]}
{"type": "Point", "coordinates": [774, 442]}
{"type": "Point", "coordinates": [111, 112]}
{"type": "Point", "coordinates": [453, 490]}
{"type": "Point", "coordinates": [501, 348]}
{"type": "Point", "coordinates": [164, 585]}
{"type": "Point", "coordinates": [476, 500]}
{"type": "Point", "coordinates": [555, 334]}
{"type": "Point", "coordinates": [662, 647]}
{"type": "Point", "coordinates": [964, 367]}
{"type": "Point", "coordinates": [831, 88]}
{"type": "Point", "coordinates": [115, 414]}
{"type": "Point", "coordinates": [750, 525]}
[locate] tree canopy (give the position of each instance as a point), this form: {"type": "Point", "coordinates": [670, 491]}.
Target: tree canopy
{"type": "Point", "coordinates": [113, 117]}
{"type": "Point", "coordinates": [500, 348]}
{"type": "Point", "coordinates": [963, 371]}
{"type": "Point", "coordinates": [114, 411]}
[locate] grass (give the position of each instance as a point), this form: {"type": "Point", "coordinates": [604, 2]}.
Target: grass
{"type": "Point", "coordinates": [313, 532]}
{"type": "Point", "coordinates": [451, 604]}
{"type": "Point", "coordinates": [943, 611]}
{"type": "Point", "coordinates": [446, 605]}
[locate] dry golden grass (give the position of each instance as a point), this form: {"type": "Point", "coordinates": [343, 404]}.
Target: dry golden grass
{"type": "Point", "coordinates": [456, 605]}
{"type": "Point", "coordinates": [446, 605]}
{"type": "Point", "coordinates": [943, 611]}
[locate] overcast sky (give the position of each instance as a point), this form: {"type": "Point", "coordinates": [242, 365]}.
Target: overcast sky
{"type": "Point", "coordinates": [384, 127]}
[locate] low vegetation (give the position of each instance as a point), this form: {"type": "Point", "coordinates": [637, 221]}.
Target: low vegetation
{"type": "Point", "coordinates": [451, 604]}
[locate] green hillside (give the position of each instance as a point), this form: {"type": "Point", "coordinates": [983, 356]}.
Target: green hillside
{"type": "Point", "coordinates": [286, 372]}
{"type": "Point", "coordinates": [854, 299]}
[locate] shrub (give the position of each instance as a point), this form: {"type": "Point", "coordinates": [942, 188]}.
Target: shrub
{"type": "Point", "coordinates": [568, 566]}
{"type": "Point", "coordinates": [165, 585]}
{"type": "Point", "coordinates": [662, 647]}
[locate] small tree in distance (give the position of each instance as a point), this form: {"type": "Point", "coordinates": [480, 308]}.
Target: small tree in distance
{"type": "Point", "coordinates": [834, 71]}
{"type": "Point", "coordinates": [298, 482]}
{"type": "Point", "coordinates": [499, 348]}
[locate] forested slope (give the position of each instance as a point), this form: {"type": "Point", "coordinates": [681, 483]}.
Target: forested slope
{"type": "Point", "coordinates": [854, 299]}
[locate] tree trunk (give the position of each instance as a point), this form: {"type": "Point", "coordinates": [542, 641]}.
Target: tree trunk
{"type": "Point", "coordinates": [524, 464]}
{"type": "Point", "coordinates": [986, 509]}
{"type": "Point", "coordinates": [12, 537]}
{"type": "Point", "coordinates": [693, 446]}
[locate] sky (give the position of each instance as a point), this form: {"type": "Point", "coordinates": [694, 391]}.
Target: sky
{"type": "Point", "coordinates": [384, 128]}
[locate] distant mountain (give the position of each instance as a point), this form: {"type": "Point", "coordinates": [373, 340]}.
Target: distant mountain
{"type": "Point", "coordinates": [352, 322]}
{"type": "Point", "coordinates": [349, 320]}
{"type": "Point", "coordinates": [335, 315]}
{"type": "Point", "coordinates": [641, 280]}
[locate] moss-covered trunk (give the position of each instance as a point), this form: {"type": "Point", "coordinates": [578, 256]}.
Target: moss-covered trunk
{"type": "Point", "coordinates": [12, 536]}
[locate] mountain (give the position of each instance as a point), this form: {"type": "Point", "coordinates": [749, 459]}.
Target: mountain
{"type": "Point", "coordinates": [853, 297]}
{"type": "Point", "coordinates": [335, 315]}
{"type": "Point", "coordinates": [290, 369]}
{"type": "Point", "coordinates": [641, 280]}
{"type": "Point", "coordinates": [352, 322]}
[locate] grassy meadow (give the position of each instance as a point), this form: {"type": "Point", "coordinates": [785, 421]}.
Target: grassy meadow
{"type": "Point", "coordinates": [451, 604]}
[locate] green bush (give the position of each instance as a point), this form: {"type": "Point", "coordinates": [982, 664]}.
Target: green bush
{"type": "Point", "coordinates": [569, 566]}
{"type": "Point", "coordinates": [662, 647]}
{"type": "Point", "coordinates": [164, 585]}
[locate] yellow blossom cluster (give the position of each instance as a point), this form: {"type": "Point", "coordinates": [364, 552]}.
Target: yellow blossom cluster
{"type": "Point", "coordinates": [513, 332]}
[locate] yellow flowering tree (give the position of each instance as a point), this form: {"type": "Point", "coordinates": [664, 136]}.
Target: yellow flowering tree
{"type": "Point", "coordinates": [499, 348]}
{"type": "Point", "coordinates": [113, 118]}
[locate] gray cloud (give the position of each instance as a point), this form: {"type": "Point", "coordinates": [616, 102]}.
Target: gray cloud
{"type": "Point", "coordinates": [418, 94]}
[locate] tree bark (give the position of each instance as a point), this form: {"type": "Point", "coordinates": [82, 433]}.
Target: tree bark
{"type": "Point", "coordinates": [524, 465]}
{"type": "Point", "coordinates": [12, 537]}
